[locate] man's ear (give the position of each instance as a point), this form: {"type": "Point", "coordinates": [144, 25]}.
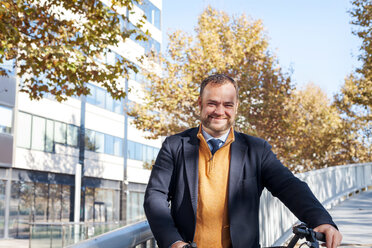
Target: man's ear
{"type": "Point", "coordinates": [199, 101]}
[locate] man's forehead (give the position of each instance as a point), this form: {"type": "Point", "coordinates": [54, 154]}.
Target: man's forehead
{"type": "Point", "coordinates": [219, 90]}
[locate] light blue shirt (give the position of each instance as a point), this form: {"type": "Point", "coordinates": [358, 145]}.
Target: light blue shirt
{"type": "Point", "coordinates": [208, 137]}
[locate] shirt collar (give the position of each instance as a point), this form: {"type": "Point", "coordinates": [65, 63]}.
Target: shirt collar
{"type": "Point", "coordinates": [207, 136]}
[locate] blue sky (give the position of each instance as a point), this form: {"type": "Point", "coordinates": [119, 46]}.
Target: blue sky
{"type": "Point", "coordinates": [312, 37]}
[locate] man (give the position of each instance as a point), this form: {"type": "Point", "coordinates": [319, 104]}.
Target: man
{"type": "Point", "coordinates": [213, 177]}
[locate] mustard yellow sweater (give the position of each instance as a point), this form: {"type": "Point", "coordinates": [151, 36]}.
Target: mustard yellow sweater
{"type": "Point", "coordinates": [212, 222]}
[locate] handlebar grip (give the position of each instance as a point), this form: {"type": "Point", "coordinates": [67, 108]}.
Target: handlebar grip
{"type": "Point", "coordinates": [320, 236]}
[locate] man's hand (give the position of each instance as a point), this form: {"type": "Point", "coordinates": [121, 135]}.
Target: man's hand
{"type": "Point", "coordinates": [179, 244]}
{"type": "Point", "coordinates": [333, 236]}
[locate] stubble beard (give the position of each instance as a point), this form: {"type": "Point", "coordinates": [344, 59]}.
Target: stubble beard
{"type": "Point", "coordinates": [206, 122]}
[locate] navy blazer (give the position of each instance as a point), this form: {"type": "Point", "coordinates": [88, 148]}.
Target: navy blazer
{"type": "Point", "coordinates": [171, 195]}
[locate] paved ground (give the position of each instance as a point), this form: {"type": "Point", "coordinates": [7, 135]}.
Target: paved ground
{"type": "Point", "coordinates": [14, 243]}
{"type": "Point", "coordinates": [354, 219]}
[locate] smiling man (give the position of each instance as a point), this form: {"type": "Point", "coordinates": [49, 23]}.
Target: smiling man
{"type": "Point", "coordinates": [213, 177]}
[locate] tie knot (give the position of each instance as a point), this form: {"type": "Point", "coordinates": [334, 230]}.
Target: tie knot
{"type": "Point", "coordinates": [215, 143]}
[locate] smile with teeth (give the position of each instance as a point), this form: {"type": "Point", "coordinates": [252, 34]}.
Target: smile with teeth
{"type": "Point", "coordinates": [217, 118]}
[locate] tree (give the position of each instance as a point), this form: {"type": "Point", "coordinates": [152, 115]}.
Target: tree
{"type": "Point", "coordinates": [354, 102]}
{"type": "Point", "coordinates": [358, 87]}
{"type": "Point", "coordinates": [55, 45]}
{"type": "Point", "coordinates": [355, 111]}
{"type": "Point", "coordinates": [362, 19]}
{"type": "Point", "coordinates": [314, 138]}
{"type": "Point", "coordinates": [234, 46]}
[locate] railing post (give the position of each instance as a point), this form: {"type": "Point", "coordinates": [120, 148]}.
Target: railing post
{"type": "Point", "coordinates": [63, 235]}
{"type": "Point", "coordinates": [51, 237]}
{"type": "Point", "coordinates": [30, 238]}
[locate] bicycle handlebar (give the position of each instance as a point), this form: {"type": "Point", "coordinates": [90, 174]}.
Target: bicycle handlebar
{"type": "Point", "coordinates": [302, 230]}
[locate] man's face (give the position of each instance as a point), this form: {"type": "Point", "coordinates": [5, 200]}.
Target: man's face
{"type": "Point", "coordinates": [218, 107]}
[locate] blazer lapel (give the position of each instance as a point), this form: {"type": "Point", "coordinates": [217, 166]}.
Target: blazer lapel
{"type": "Point", "coordinates": [238, 154]}
{"type": "Point", "coordinates": [191, 156]}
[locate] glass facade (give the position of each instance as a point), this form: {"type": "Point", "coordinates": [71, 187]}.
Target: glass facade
{"type": "Point", "coordinates": [152, 13]}
{"type": "Point", "coordinates": [41, 196]}
{"type": "Point", "coordinates": [2, 207]}
{"type": "Point", "coordinates": [103, 143]}
{"type": "Point", "coordinates": [103, 99]}
{"type": "Point", "coordinates": [6, 119]}
{"type": "Point", "coordinates": [138, 151]}
{"type": "Point", "coordinates": [47, 197]}
{"type": "Point", "coordinates": [149, 45]}
{"type": "Point", "coordinates": [101, 205]}
{"type": "Point", "coordinates": [42, 134]}
{"type": "Point", "coordinates": [135, 203]}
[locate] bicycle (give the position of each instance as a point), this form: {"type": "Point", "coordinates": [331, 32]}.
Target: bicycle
{"type": "Point", "coordinates": [300, 231]}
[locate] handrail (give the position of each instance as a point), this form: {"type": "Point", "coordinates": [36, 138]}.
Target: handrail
{"type": "Point", "coordinates": [330, 185]}
{"type": "Point", "coordinates": [128, 236]}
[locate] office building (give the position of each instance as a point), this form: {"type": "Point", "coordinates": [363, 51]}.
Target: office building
{"type": "Point", "coordinates": [39, 148]}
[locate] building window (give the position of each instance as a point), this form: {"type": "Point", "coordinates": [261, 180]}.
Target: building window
{"type": "Point", "coordinates": [100, 98]}
{"type": "Point", "coordinates": [101, 205]}
{"type": "Point", "coordinates": [100, 142]}
{"type": "Point", "coordinates": [49, 136]}
{"type": "Point", "coordinates": [60, 132]}
{"type": "Point", "coordinates": [2, 207]}
{"type": "Point", "coordinates": [138, 151]}
{"type": "Point", "coordinates": [118, 147]}
{"type": "Point", "coordinates": [38, 133]}
{"type": "Point", "coordinates": [91, 98]}
{"type": "Point", "coordinates": [24, 130]}
{"type": "Point", "coordinates": [109, 144]}
{"type": "Point", "coordinates": [150, 45]}
{"type": "Point", "coordinates": [37, 202]}
{"type": "Point", "coordinates": [135, 210]}
{"type": "Point", "coordinates": [6, 120]}
{"type": "Point", "coordinates": [72, 135]}
{"type": "Point", "coordinates": [90, 140]}
{"type": "Point", "coordinates": [152, 13]}
{"type": "Point", "coordinates": [42, 134]}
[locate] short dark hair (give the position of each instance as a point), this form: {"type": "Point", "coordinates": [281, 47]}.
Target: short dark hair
{"type": "Point", "coordinates": [219, 79]}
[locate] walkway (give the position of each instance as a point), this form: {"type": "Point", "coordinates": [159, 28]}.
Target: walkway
{"type": "Point", "coordinates": [354, 219]}
{"type": "Point", "coordinates": [14, 243]}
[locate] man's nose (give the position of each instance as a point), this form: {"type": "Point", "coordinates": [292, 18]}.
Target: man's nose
{"type": "Point", "coordinates": [219, 110]}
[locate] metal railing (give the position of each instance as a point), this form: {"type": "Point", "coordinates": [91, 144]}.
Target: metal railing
{"type": "Point", "coordinates": [330, 185]}
{"type": "Point", "coordinates": [55, 235]}
{"type": "Point", "coordinates": [129, 236]}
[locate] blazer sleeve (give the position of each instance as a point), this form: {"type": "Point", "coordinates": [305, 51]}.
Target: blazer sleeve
{"type": "Point", "coordinates": [294, 193]}
{"type": "Point", "coordinates": [156, 203]}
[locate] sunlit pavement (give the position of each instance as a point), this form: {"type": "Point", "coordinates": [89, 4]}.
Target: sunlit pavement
{"type": "Point", "coordinates": [14, 243]}
{"type": "Point", "coordinates": [354, 219]}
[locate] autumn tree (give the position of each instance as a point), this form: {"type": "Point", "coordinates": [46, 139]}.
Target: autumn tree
{"type": "Point", "coordinates": [235, 46]}
{"type": "Point", "coordinates": [55, 44]}
{"type": "Point", "coordinates": [313, 138]}
{"type": "Point", "coordinates": [354, 101]}
{"type": "Point", "coordinates": [356, 133]}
